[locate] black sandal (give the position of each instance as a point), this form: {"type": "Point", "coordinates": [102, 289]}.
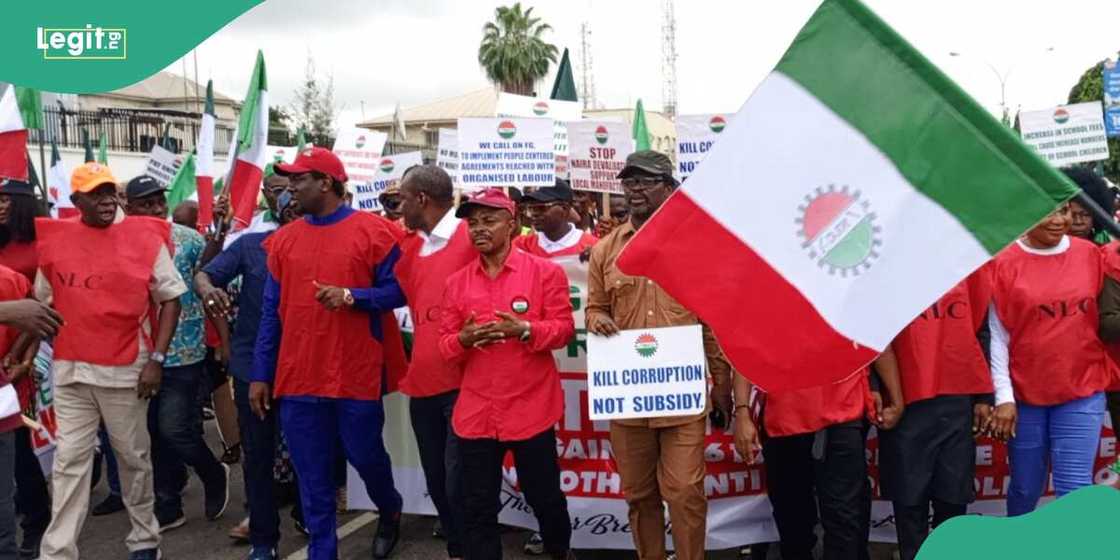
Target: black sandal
{"type": "Point", "coordinates": [232, 455]}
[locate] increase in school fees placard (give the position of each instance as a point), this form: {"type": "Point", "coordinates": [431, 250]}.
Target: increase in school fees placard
{"type": "Point", "coordinates": [646, 373]}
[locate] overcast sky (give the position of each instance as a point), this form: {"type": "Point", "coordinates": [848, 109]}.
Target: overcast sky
{"type": "Point", "coordinates": [382, 52]}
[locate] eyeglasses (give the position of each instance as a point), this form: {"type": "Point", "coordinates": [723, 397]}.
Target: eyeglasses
{"type": "Point", "coordinates": [642, 183]}
{"type": "Point", "coordinates": [391, 203]}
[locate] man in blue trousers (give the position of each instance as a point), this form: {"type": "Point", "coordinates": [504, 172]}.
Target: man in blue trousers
{"type": "Point", "coordinates": [322, 349]}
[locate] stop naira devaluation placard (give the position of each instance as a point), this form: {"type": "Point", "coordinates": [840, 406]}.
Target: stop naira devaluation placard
{"type": "Point", "coordinates": [506, 152]}
{"type": "Point", "coordinates": [647, 373]}
{"type": "Point", "coordinates": [1066, 134]}
{"type": "Point", "coordinates": [598, 152]}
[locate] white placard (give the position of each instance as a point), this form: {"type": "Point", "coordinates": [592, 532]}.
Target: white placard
{"type": "Point", "coordinates": [1066, 134]}
{"type": "Point", "coordinates": [286, 154]}
{"type": "Point", "coordinates": [389, 171]}
{"type": "Point", "coordinates": [506, 152]}
{"type": "Point", "coordinates": [695, 136]}
{"type": "Point", "coordinates": [646, 373]}
{"type": "Point", "coordinates": [561, 112]}
{"type": "Point", "coordinates": [447, 154]}
{"type": "Point", "coordinates": [360, 152]}
{"type": "Point", "coordinates": [162, 165]}
{"type": "Point", "coordinates": [598, 152]}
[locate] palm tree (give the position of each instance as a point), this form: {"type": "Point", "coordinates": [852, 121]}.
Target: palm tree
{"type": "Point", "coordinates": [512, 52]}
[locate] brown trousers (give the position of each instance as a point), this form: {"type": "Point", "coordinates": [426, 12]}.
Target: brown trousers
{"type": "Point", "coordinates": [663, 464]}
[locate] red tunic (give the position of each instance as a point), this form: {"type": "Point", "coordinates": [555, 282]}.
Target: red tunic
{"type": "Point", "coordinates": [1048, 304]}
{"type": "Point", "coordinates": [423, 280]}
{"type": "Point", "coordinates": [803, 411]}
{"type": "Point", "coordinates": [22, 258]}
{"type": "Point", "coordinates": [938, 353]}
{"type": "Point", "coordinates": [328, 353]}
{"type": "Point", "coordinates": [99, 278]}
{"type": "Point", "coordinates": [13, 286]}
{"type": "Point", "coordinates": [531, 244]}
{"type": "Point", "coordinates": [1111, 254]}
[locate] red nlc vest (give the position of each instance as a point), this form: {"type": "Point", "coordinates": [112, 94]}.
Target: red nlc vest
{"type": "Point", "coordinates": [100, 278]}
{"type": "Point", "coordinates": [938, 353]}
{"type": "Point", "coordinates": [332, 353]}
{"type": "Point", "coordinates": [1111, 253]}
{"type": "Point", "coordinates": [803, 411]}
{"type": "Point", "coordinates": [423, 280]}
{"type": "Point", "coordinates": [1048, 304]}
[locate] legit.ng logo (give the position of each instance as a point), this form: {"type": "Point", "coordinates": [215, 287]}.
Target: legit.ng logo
{"type": "Point", "coordinates": [82, 43]}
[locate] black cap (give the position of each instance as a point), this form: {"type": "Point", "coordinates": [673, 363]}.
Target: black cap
{"type": "Point", "coordinates": [142, 186]}
{"type": "Point", "coordinates": [561, 192]}
{"type": "Point", "coordinates": [649, 162]}
{"type": "Point", "coordinates": [12, 186]}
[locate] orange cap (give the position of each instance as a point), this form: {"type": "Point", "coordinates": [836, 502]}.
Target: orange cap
{"type": "Point", "coordinates": [91, 175]}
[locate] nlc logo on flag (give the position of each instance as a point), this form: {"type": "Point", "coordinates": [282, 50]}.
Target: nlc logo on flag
{"type": "Point", "coordinates": [88, 43]}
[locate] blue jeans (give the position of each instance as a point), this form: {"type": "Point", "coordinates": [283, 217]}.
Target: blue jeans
{"type": "Point", "coordinates": [258, 451]}
{"type": "Point", "coordinates": [1062, 437]}
{"type": "Point", "coordinates": [313, 426]}
{"type": "Point", "coordinates": [177, 440]}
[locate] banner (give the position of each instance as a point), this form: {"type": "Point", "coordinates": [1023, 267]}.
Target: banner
{"type": "Point", "coordinates": [1066, 134]}
{"type": "Point", "coordinates": [162, 165]}
{"type": "Point", "coordinates": [389, 171]}
{"type": "Point", "coordinates": [647, 373]}
{"type": "Point", "coordinates": [739, 512]}
{"type": "Point", "coordinates": [561, 113]}
{"type": "Point", "coordinates": [505, 152]}
{"type": "Point", "coordinates": [360, 151]}
{"type": "Point", "coordinates": [447, 154]}
{"type": "Point", "coordinates": [43, 441]}
{"type": "Point", "coordinates": [598, 153]}
{"type": "Point", "coordinates": [1110, 79]}
{"type": "Point", "coordinates": [695, 136]}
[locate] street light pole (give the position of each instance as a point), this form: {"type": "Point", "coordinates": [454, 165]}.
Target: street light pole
{"type": "Point", "coordinates": [1003, 78]}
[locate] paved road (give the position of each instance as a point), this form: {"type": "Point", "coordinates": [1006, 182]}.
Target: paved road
{"type": "Point", "coordinates": [103, 537]}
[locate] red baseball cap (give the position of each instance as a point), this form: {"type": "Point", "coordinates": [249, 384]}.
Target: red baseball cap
{"type": "Point", "coordinates": [314, 159]}
{"type": "Point", "coordinates": [490, 198]}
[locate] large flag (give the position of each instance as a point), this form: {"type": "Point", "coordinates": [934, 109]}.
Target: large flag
{"type": "Point", "coordinates": [252, 137]}
{"type": "Point", "coordinates": [204, 164]}
{"type": "Point", "coordinates": [564, 88]}
{"type": "Point", "coordinates": [21, 109]}
{"type": "Point", "coordinates": [639, 131]}
{"type": "Point", "coordinates": [58, 187]}
{"type": "Point", "coordinates": [183, 185]}
{"type": "Point", "coordinates": [103, 149]}
{"type": "Point", "coordinates": [856, 186]}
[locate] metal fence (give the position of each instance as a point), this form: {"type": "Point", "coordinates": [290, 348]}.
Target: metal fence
{"type": "Point", "coordinates": [130, 130]}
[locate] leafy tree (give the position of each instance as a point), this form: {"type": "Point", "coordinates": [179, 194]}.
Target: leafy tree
{"type": "Point", "coordinates": [1091, 88]}
{"type": "Point", "coordinates": [313, 107]}
{"type": "Point", "coordinates": [513, 52]}
{"type": "Point", "coordinates": [279, 127]}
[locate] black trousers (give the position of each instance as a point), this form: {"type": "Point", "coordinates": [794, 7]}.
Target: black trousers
{"type": "Point", "coordinates": [913, 524]}
{"type": "Point", "coordinates": [32, 500]}
{"type": "Point", "coordinates": [538, 476]}
{"type": "Point", "coordinates": [439, 457]}
{"type": "Point", "coordinates": [842, 491]}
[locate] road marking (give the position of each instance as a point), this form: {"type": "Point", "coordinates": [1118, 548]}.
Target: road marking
{"type": "Point", "coordinates": [343, 532]}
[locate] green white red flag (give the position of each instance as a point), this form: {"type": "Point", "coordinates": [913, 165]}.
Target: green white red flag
{"type": "Point", "coordinates": [20, 110]}
{"type": "Point", "coordinates": [252, 139]}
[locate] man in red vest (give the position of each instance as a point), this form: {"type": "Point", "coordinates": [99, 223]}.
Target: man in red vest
{"type": "Point", "coordinates": [330, 280]}
{"type": "Point", "coordinates": [106, 274]}
{"type": "Point", "coordinates": [438, 246]}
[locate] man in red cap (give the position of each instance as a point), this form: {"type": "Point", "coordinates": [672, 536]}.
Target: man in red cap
{"type": "Point", "coordinates": [330, 283]}
{"type": "Point", "coordinates": [105, 273]}
{"type": "Point", "coordinates": [502, 317]}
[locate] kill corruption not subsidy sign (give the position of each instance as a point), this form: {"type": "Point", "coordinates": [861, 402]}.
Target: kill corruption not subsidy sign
{"type": "Point", "coordinates": [647, 373]}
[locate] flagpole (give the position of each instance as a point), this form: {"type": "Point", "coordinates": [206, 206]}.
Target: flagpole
{"type": "Point", "coordinates": [43, 167]}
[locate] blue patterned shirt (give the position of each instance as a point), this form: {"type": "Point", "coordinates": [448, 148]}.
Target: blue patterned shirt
{"type": "Point", "coordinates": [188, 346]}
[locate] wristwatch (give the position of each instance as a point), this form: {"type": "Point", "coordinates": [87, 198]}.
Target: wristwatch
{"type": "Point", "coordinates": [348, 297]}
{"type": "Point", "coordinates": [525, 333]}
{"type": "Point", "coordinates": [157, 357]}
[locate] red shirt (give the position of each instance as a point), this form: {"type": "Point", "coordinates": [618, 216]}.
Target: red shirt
{"type": "Point", "coordinates": [532, 244]}
{"type": "Point", "coordinates": [13, 286]}
{"type": "Point", "coordinates": [804, 411]}
{"type": "Point", "coordinates": [511, 390]}
{"type": "Point", "coordinates": [22, 258]}
{"type": "Point", "coordinates": [422, 279]}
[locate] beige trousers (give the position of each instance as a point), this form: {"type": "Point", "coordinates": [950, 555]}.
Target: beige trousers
{"type": "Point", "coordinates": [79, 408]}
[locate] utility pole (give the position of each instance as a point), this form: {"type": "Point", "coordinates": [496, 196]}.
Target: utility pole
{"type": "Point", "coordinates": [669, 60]}
{"type": "Point", "coordinates": [587, 74]}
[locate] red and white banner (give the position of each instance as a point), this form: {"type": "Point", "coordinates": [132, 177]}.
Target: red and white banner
{"type": "Point", "coordinates": [738, 509]}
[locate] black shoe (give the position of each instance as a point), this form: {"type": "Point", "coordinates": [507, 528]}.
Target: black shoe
{"type": "Point", "coordinates": [169, 522]}
{"type": "Point", "coordinates": [29, 549]}
{"type": "Point", "coordinates": [111, 504]}
{"type": "Point", "coordinates": [388, 533]}
{"type": "Point", "coordinates": [437, 530]}
{"type": "Point", "coordinates": [232, 455]}
{"type": "Point", "coordinates": [217, 495]}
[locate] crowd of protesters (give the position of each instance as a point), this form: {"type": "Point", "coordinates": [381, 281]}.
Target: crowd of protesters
{"type": "Point", "coordinates": [287, 330]}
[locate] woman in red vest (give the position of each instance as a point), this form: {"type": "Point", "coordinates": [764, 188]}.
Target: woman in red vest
{"type": "Point", "coordinates": [1049, 366]}
{"type": "Point", "coordinates": [930, 457]}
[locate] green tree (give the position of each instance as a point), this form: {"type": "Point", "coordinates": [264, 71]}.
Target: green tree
{"type": "Point", "coordinates": [513, 52]}
{"type": "Point", "coordinates": [279, 126]}
{"type": "Point", "coordinates": [313, 108]}
{"type": "Point", "coordinates": [1091, 88]}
